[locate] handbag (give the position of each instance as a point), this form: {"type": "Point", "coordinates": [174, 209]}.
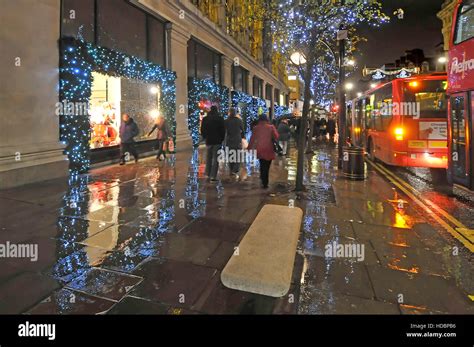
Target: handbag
{"type": "Point", "coordinates": [276, 147]}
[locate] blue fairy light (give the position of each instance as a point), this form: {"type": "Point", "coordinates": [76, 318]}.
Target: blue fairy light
{"type": "Point", "coordinates": [76, 86]}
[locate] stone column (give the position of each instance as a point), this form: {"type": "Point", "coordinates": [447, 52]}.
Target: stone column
{"type": "Point", "coordinates": [179, 63]}
{"type": "Point", "coordinates": [271, 112]}
{"type": "Point", "coordinates": [30, 150]}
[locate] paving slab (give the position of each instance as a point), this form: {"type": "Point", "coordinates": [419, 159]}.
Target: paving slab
{"type": "Point", "coordinates": [266, 254]}
{"type": "Point", "coordinates": [66, 301]}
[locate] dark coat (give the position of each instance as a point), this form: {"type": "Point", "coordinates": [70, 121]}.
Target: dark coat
{"type": "Point", "coordinates": [213, 129]}
{"type": "Point", "coordinates": [284, 132]}
{"type": "Point", "coordinates": [234, 132]}
{"type": "Point", "coordinates": [128, 130]}
{"type": "Point", "coordinates": [163, 131]}
{"type": "Point", "coordinates": [331, 127]}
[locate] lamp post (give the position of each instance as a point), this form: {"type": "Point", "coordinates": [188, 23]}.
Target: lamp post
{"type": "Point", "coordinates": [341, 37]}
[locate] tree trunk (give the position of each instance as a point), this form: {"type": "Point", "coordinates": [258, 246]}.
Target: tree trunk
{"type": "Point", "coordinates": [303, 127]}
{"type": "Point", "coordinates": [309, 146]}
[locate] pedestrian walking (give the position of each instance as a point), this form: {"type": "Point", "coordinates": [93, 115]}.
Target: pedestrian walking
{"type": "Point", "coordinates": [323, 127]}
{"type": "Point", "coordinates": [331, 128]}
{"type": "Point", "coordinates": [162, 136]}
{"type": "Point", "coordinates": [263, 136]}
{"type": "Point", "coordinates": [316, 128]}
{"type": "Point", "coordinates": [234, 133]}
{"type": "Point", "coordinates": [128, 130]}
{"type": "Point", "coordinates": [213, 132]}
{"type": "Point", "coordinates": [284, 134]}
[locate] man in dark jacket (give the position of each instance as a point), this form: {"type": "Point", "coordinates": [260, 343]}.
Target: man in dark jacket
{"type": "Point", "coordinates": [128, 130]}
{"type": "Point", "coordinates": [331, 128]}
{"type": "Point", "coordinates": [234, 133]}
{"type": "Point", "coordinates": [213, 132]}
{"type": "Point", "coordinates": [284, 135]}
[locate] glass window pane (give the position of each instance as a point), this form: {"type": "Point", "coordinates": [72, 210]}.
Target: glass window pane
{"type": "Point", "coordinates": [156, 41]}
{"type": "Point", "coordinates": [237, 78]}
{"type": "Point", "coordinates": [141, 104]}
{"type": "Point", "coordinates": [191, 59]}
{"type": "Point", "coordinates": [78, 19]}
{"type": "Point", "coordinates": [204, 58]}
{"type": "Point", "coordinates": [217, 68]}
{"type": "Point", "coordinates": [465, 23]}
{"type": "Point", "coordinates": [121, 27]}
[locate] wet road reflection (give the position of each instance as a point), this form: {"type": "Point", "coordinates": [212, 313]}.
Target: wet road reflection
{"type": "Point", "coordinates": [457, 202]}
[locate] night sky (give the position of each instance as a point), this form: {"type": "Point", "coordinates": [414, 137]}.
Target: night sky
{"type": "Point", "coordinates": [420, 28]}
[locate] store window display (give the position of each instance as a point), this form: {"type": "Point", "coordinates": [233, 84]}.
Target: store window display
{"type": "Point", "coordinates": [112, 96]}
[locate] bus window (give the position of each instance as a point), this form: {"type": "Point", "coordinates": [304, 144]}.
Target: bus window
{"type": "Point", "coordinates": [458, 122]}
{"type": "Point", "coordinates": [465, 22]}
{"type": "Point", "coordinates": [429, 96]}
{"type": "Point", "coordinates": [383, 101]}
{"type": "Point", "coordinates": [360, 113]}
{"type": "Point", "coordinates": [369, 109]}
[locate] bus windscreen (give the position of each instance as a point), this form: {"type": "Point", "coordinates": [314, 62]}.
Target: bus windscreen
{"type": "Point", "coordinates": [429, 96]}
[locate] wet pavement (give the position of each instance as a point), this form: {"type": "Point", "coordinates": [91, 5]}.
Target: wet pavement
{"type": "Point", "coordinates": [153, 237]}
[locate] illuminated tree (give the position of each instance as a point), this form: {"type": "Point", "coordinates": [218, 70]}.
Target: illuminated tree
{"type": "Point", "coordinates": [310, 28]}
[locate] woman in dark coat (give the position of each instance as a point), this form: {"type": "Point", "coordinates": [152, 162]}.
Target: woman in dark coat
{"type": "Point", "coordinates": [162, 136]}
{"type": "Point", "coordinates": [234, 133]}
{"type": "Point", "coordinates": [263, 135]}
{"type": "Point", "coordinates": [284, 134]}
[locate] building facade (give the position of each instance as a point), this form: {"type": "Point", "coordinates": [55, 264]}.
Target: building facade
{"type": "Point", "coordinates": [446, 16]}
{"type": "Point", "coordinates": [142, 57]}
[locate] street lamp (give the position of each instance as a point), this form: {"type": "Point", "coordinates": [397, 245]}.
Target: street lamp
{"type": "Point", "coordinates": [359, 94]}
{"type": "Point", "coordinates": [442, 60]}
{"type": "Point", "coordinates": [373, 85]}
{"type": "Point", "coordinates": [298, 58]}
{"type": "Point", "coordinates": [350, 62]}
{"type": "Point", "coordinates": [349, 86]}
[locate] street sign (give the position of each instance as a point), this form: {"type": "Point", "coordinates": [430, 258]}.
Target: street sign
{"type": "Point", "coordinates": [342, 35]}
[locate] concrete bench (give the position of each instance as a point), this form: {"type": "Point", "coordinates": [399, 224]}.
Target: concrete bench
{"type": "Point", "coordinates": [263, 262]}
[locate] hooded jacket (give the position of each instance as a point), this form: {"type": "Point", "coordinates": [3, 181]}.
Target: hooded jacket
{"type": "Point", "coordinates": [128, 130]}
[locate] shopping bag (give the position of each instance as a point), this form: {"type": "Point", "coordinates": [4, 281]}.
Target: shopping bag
{"type": "Point", "coordinates": [276, 147]}
{"type": "Point", "coordinates": [170, 146]}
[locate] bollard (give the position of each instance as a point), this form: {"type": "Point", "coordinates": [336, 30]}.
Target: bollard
{"type": "Point", "coordinates": [353, 165]}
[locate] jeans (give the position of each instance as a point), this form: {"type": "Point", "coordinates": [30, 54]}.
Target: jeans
{"type": "Point", "coordinates": [212, 165]}
{"type": "Point", "coordinates": [284, 147]}
{"type": "Point", "coordinates": [234, 165]}
{"type": "Point", "coordinates": [128, 147]}
{"type": "Point", "coordinates": [264, 171]}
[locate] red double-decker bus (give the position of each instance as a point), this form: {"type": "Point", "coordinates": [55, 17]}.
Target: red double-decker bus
{"type": "Point", "coordinates": [461, 96]}
{"type": "Point", "coordinates": [403, 122]}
